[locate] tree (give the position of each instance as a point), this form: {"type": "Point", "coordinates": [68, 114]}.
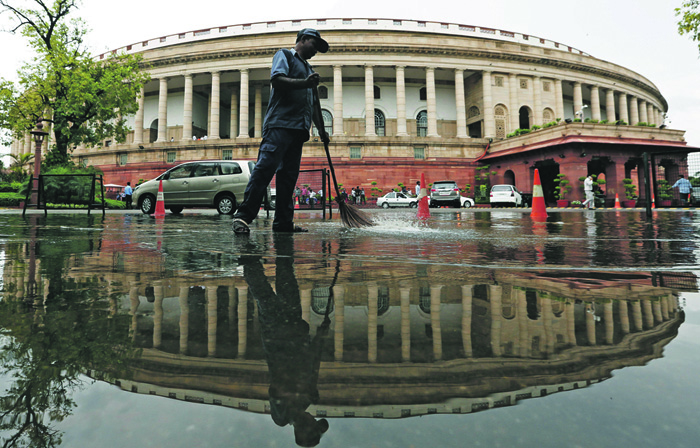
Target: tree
{"type": "Point", "coordinates": [21, 164]}
{"type": "Point", "coordinates": [689, 19]}
{"type": "Point", "coordinates": [86, 99]}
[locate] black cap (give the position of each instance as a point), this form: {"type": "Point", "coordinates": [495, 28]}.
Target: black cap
{"type": "Point", "coordinates": [322, 44]}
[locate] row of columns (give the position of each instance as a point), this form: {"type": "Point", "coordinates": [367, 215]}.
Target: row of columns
{"type": "Point", "coordinates": [645, 314]}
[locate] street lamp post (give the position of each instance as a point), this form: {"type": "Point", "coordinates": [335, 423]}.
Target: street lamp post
{"type": "Point", "coordinates": [39, 134]}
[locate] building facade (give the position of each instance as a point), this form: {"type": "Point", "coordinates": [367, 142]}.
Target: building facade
{"type": "Point", "coordinates": [399, 98]}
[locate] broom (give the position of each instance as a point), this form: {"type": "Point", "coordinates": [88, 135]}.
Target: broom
{"type": "Point", "coordinates": [349, 215]}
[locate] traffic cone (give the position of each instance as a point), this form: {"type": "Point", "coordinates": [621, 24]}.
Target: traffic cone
{"type": "Point", "coordinates": [539, 210]}
{"type": "Point", "coordinates": [653, 201]}
{"type": "Point", "coordinates": [423, 208]}
{"type": "Point", "coordinates": [160, 202]}
{"type": "Point", "coordinates": [617, 201]}
{"type": "Point", "coordinates": [296, 203]}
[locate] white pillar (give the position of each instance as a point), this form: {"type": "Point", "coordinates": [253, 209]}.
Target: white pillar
{"type": "Point", "coordinates": [163, 110]}
{"type": "Point", "coordinates": [460, 103]}
{"type": "Point", "coordinates": [258, 111]}
{"type": "Point", "coordinates": [138, 121]}
{"type": "Point", "coordinates": [514, 109]}
{"type": "Point", "coordinates": [435, 322]}
{"type": "Point", "coordinates": [559, 94]}
{"type": "Point", "coordinates": [578, 100]}
{"type": "Point", "coordinates": [187, 109]}
{"type": "Point", "coordinates": [634, 111]}
{"type": "Point", "coordinates": [369, 101]}
{"type": "Point", "coordinates": [338, 128]}
{"type": "Point", "coordinates": [372, 315]}
{"type": "Point", "coordinates": [467, 320]}
{"type": "Point", "coordinates": [489, 120]}
{"type": "Point", "coordinates": [401, 128]}
{"type": "Point", "coordinates": [242, 321]}
{"type": "Point", "coordinates": [624, 316]}
{"type": "Point", "coordinates": [610, 105]}
{"type": "Point", "coordinates": [537, 89]}
{"type": "Point", "coordinates": [624, 110]}
{"type": "Point", "coordinates": [595, 103]}
{"type": "Point", "coordinates": [212, 303]}
{"type": "Point", "coordinates": [431, 102]}
{"type": "Point", "coordinates": [214, 118]}
{"type": "Point", "coordinates": [184, 319]}
{"type": "Point", "coordinates": [643, 111]}
{"type": "Point", "coordinates": [158, 316]}
{"type": "Point", "coordinates": [405, 324]}
{"type": "Point", "coordinates": [243, 128]}
{"type": "Point", "coordinates": [339, 327]}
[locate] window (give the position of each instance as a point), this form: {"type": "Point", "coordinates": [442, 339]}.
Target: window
{"type": "Point", "coordinates": [379, 123]}
{"type": "Point", "coordinates": [382, 300]}
{"type": "Point", "coordinates": [423, 94]}
{"type": "Point", "coordinates": [319, 300]}
{"type": "Point", "coordinates": [548, 115]}
{"type": "Point", "coordinates": [227, 154]}
{"type": "Point", "coordinates": [372, 21]}
{"type": "Point", "coordinates": [327, 123]}
{"type": "Point", "coordinates": [162, 39]}
{"type": "Point", "coordinates": [498, 81]}
{"type": "Point", "coordinates": [232, 168]}
{"type": "Point", "coordinates": [123, 159]}
{"type": "Point", "coordinates": [181, 172]}
{"type": "Point", "coordinates": [347, 21]}
{"type": "Point", "coordinates": [82, 161]}
{"type": "Point", "coordinates": [206, 169]}
{"type": "Point", "coordinates": [422, 124]}
{"type": "Point", "coordinates": [377, 93]}
{"type": "Point", "coordinates": [546, 86]}
{"type": "Point", "coordinates": [108, 143]}
{"type": "Point", "coordinates": [181, 36]}
{"type": "Point", "coordinates": [424, 299]}
{"type": "Point", "coordinates": [170, 157]}
{"type": "Point", "coordinates": [523, 83]}
{"type": "Point", "coordinates": [473, 112]}
{"type": "Point", "coordinates": [501, 118]}
{"type": "Point", "coordinates": [355, 152]}
{"type": "Point", "coordinates": [322, 92]}
{"type": "Point", "coordinates": [397, 22]}
{"type": "Point", "coordinates": [421, 24]}
{"type": "Point", "coordinates": [419, 153]}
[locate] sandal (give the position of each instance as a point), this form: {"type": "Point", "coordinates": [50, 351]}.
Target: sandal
{"type": "Point", "coordinates": [240, 227]}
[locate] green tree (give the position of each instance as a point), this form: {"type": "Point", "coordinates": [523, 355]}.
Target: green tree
{"type": "Point", "coordinates": [21, 165]}
{"type": "Point", "coordinates": [86, 99]}
{"type": "Point", "coordinates": [689, 19]}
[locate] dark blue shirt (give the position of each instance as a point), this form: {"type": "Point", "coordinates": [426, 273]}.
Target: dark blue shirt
{"type": "Point", "coordinates": [293, 108]}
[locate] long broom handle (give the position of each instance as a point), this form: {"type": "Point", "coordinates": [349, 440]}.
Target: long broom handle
{"type": "Point", "coordinates": [317, 106]}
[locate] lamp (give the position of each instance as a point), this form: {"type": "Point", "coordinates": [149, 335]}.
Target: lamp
{"type": "Point", "coordinates": [39, 134]}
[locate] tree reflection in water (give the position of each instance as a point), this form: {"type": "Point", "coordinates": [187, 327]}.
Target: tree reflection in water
{"type": "Point", "coordinates": [48, 345]}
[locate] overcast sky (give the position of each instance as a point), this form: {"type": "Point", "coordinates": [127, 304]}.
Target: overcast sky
{"type": "Point", "coordinates": [640, 35]}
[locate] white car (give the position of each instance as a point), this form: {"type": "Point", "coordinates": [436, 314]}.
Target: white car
{"type": "Point", "coordinates": [505, 195]}
{"type": "Point", "coordinates": [467, 202]}
{"type": "Point", "coordinates": [397, 199]}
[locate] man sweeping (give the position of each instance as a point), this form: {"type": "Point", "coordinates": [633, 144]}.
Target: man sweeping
{"type": "Point", "coordinates": [290, 113]}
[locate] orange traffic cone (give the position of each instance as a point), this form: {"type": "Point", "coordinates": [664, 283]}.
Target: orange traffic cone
{"type": "Point", "coordinates": [160, 202]}
{"type": "Point", "coordinates": [296, 204]}
{"type": "Point", "coordinates": [423, 208]}
{"type": "Point", "coordinates": [653, 202]}
{"type": "Point", "coordinates": [617, 201]}
{"type": "Point", "coordinates": [539, 210]}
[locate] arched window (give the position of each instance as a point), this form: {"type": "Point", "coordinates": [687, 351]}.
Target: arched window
{"type": "Point", "coordinates": [524, 114]}
{"type": "Point", "coordinates": [501, 118]}
{"type": "Point", "coordinates": [382, 300]}
{"type": "Point", "coordinates": [473, 112]}
{"type": "Point", "coordinates": [423, 94]}
{"type": "Point", "coordinates": [322, 92]}
{"type": "Point", "coordinates": [379, 123]}
{"type": "Point", "coordinates": [548, 115]}
{"type": "Point", "coordinates": [424, 299]}
{"type": "Point", "coordinates": [377, 93]}
{"type": "Point", "coordinates": [319, 300]}
{"type": "Point", "coordinates": [327, 123]}
{"type": "Point", "coordinates": [422, 124]}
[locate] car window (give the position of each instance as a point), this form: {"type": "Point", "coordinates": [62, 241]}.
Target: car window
{"type": "Point", "coordinates": [206, 169]}
{"type": "Point", "coordinates": [501, 188]}
{"type": "Point", "coordinates": [181, 172]}
{"type": "Point", "coordinates": [233, 168]}
{"type": "Point", "coordinates": [391, 195]}
{"type": "Point", "coordinates": [400, 195]}
{"type": "Point", "coordinates": [444, 186]}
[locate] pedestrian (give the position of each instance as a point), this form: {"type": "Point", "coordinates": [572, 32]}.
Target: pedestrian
{"type": "Point", "coordinates": [588, 189]}
{"type": "Point", "coordinates": [362, 196]}
{"type": "Point", "coordinates": [128, 191]}
{"type": "Point", "coordinates": [290, 112]}
{"type": "Point", "coordinates": [418, 188]}
{"type": "Point", "coordinates": [352, 195]}
{"type": "Point", "coordinates": [684, 187]}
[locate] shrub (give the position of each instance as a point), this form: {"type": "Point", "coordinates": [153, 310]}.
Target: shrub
{"type": "Point", "coordinates": [550, 124]}
{"type": "Point", "coordinates": [577, 120]}
{"type": "Point", "coordinates": [621, 123]}
{"type": "Point", "coordinates": [630, 189]}
{"type": "Point", "coordinates": [664, 189]}
{"type": "Point", "coordinates": [535, 127]}
{"type": "Point", "coordinates": [642, 123]}
{"type": "Point", "coordinates": [562, 187]}
{"type": "Point", "coordinates": [603, 121]}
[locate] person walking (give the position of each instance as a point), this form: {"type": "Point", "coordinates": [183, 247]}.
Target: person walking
{"type": "Point", "coordinates": [363, 200]}
{"type": "Point", "coordinates": [588, 189]}
{"type": "Point", "coordinates": [128, 192]}
{"type": "Point", "coordinates": [290, 113]}
{"type": "Point", "coordinates": [418, 188]}
{"type": "Point", "coordinates": [684, 187]}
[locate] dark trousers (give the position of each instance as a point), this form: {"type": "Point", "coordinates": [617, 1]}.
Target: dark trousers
{"type": "Point", "coordinates": [127, 199]}
{"type": "Point", "coordinates": [280, 154]}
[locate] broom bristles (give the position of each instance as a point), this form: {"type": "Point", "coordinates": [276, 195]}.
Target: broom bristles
{"type": "Point", "coordinates": [352, 217]}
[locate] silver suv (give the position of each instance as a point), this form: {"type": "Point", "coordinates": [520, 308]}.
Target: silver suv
{"type": "Point", "coordinates": [207, 183]}
{"type": "Point", "coordinates": [445, 192]}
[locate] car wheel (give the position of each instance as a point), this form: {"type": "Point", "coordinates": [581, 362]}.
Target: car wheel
{"type": "Point", "coordinates": [385, 205]}
{"type": "Point", "coordinates": [176, 210]}
{"type": "Point", "coordinates": [225, 205]}
{"type": "Point", "coordinates": [467, 204]}
{"type": "Point", "coordinates": [148, 204]}
{"type": "Point", "coordinates": [413, 204]}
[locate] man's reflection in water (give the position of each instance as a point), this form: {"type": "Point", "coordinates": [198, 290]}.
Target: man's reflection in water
{"type": "Point", "coordinates": [293, 358]}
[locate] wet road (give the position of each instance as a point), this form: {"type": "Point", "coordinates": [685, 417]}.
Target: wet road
{"type": "Point", "coordinates": [475, 325]}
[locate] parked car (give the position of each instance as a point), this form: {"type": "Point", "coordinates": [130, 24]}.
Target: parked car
{"type": "Point", "coordinates": [505, 195]}
{"type": "Point", "coordinates": [397, 199]}
{"type": "Point", "coordinates": [467, 202]}
{"type": "Point", "coordinates": [215, 184]}
{"type": "Point", "coordinates": [445, 192]}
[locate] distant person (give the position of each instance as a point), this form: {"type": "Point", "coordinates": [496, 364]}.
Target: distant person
{"type": "Point", "coordinates": [417, 188]}
{"type": "Point", "coordinates": [684, 187]}
{"type": "Point", "coordinates": [363, 200]}
{"type": "Point", "coordinates": [128, 191]}
{"type": "Point", "coordinates": [588, 189]}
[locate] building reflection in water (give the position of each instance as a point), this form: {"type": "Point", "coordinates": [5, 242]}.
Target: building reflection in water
{"type": "Point", "coordinates": [403, 339]}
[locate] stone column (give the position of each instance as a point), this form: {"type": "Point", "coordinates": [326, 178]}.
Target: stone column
{"type": "Point", "coordinates": [624, 110]}
{"type": "Point", "coordinates": [138, 120]}
{"type": "Point", "coordinates": [664, 308]}
{"type": "Point", "coordinates": [547, 324]}
{"type": "Point", "coordinates": [258, 111]}
{"type": "Point", "coordinates": [514, 109]}
{"type": "Point", "coordinates": [521, 314]}
{"type": "Point", "coordinates": [134, 302]}
{"type": "Point", "coordinates": [643, 111]}
{"type": "Point", "coordinates": [243, 128]}
{"type": "Point", "coordinates": [460, 103]}
{"type": "Point", "coordinates": [650, 114]}
{"type": "Point", "coordinates": [656, 307]}
{"type": "Point", "coordinates": [559, 94]}
{"type": "Point", "coordinates": [624, 316]}
{"type": "Point", "coordinates": [578, 100]}
{"type": "Point", "coordinates": [211, 320]}
{"type": "Point", "coordinates": [369, 101]}
{"type": "Point", "coordinates": [609, 324]}
{"type": "Point", "coordinates": [637, 315]}
{"type": "Point", "coordinates": [158, 316]}
{"type": "Point", "coordinates": [537, 89]}
{"type": "Point", "coordinates": [435, 321]}
{"type": "Point", "coordinates": [405, 324]}
{"type": "Point", "coordinates": [338, 128]}
{"type": "Point", "coordinates": [590, 324]}
{"type": "Point", "coordinates": [339, 314]}
{"type": "Point", "coordinates": [234, 114]}
{"type": "Point", "coordinates": [431, 101]}
{"type": "Point", "coordinates": [610, 105]}
{"type": "Point", "coordinates": [215, 117]}
{"type": "Point", "coordinates": [495, 294]}
{"type": "Point", "coordinates": [489, 120]}
{"type": "Point", "coordinates": [372, 312]}
{"type": "Point", "coordinates": [163, 110]}
{"type": "Point", "coordinates": [242, 321]}
{"type": "Point", "coordinates": [571, 322]}
{"type": "Point", "coordinates": [595, 103]}
{"type": "Point", "coordinates": [634, 111]}
{"type": "Point", "coordinates": [401, 129]}
{"type": "Point", "coordinates": [184, 319]}
{"type": "Point", "coordinates": [647, 313]}
{"type": "Point", "coordinates": [187, 108]}
{"type": "Point", "coordinates": [467, 297]}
